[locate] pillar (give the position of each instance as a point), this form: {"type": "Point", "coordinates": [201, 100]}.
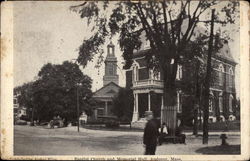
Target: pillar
{"type": "Point", "coordinates": [135, 112]}
{"type": "Point", "coordinates": [162, 105]}
{"type": "Point", "coordinates": [149, 102]}
{"type": "Point", "coordinates": [178, 101]}
{"type": "Point", "coordinates": [106, 108]}
{"type": "Point", "coordinates": [95, 114]}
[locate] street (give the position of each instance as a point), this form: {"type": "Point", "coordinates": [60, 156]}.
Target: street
{"type": "Point", "coordinates": [67, 141]}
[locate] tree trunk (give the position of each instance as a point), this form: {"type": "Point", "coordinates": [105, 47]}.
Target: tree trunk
{"type": "Point", "coordinates": [207, 83]}
{"type": "Point", "coordinates": [197, 95]}
{"type": "Point", "coordinates": [195, 126]}
{"type": "Point", "coordinates": [170, 109]}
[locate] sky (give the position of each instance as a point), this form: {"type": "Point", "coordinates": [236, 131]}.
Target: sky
{"type": "Point", "coordinates": [49, 32]}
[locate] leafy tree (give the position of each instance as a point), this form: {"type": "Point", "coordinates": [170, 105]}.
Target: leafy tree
{"type": "Point", "coordinates": [124, 104]}
{"type": "Point", "coordinates": [169, 26]}
{"type": "Point", "coordinates": [55, 92]}
{"type": "Point", "coordinates": [24, 96]}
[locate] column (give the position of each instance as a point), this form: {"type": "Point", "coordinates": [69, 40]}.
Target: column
{"type": "Point", "coordinates": [135, 113]}
{"type": "Point", "coordinates": [106, 108]}
{"type": "Point", "coordinates": [162, 105]}
{"type": "Point", "coordinates": [149, 102]}
{"type": "Point", "coordinates": [95, 114]}
{"type": "Point", "coordinates": [136, 105]}
{"type": "Point", "coordinates": [178, 101]}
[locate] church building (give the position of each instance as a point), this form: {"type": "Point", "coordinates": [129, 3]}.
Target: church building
{"type": "Point", "coordinates": [104, 96]}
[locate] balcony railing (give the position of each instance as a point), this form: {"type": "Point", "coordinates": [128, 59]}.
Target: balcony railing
{"type": "Point", "coordinates": [148, 83]}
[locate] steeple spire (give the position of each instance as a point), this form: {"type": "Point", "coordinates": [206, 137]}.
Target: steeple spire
{"type": "Point", "coordinates": [110, 66]}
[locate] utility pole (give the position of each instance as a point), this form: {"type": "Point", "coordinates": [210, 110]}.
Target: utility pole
{"type": "Point", "coordinates": [196, 99]}
{"type": "Point", "coordinates": [207, 82]}
{"type": "Point", "coordinates": [77, 107]}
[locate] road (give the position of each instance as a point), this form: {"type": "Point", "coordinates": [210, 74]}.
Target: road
{"type": "Point", "coordinates": [67, 141]}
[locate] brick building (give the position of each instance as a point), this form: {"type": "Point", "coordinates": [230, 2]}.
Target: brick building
{"type": "Point", "coordinates": [148, 86]}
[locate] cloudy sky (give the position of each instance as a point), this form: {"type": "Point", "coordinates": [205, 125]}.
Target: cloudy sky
{"type": "Point", "coordinates": [49, 32]}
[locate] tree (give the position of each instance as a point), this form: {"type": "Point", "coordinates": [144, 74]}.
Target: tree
{"type": "Point", "coordinates": [54, 92]}
{"type": "Point", "coordinates": [169, 26]}
{"type": "Point", "coordinates": [25, 97]}
{"type": "Point", "coordinates": [123, 104]}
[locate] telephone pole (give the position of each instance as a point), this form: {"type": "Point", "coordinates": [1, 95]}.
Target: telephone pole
{"type": "Point", "coordinates": [207, 82]}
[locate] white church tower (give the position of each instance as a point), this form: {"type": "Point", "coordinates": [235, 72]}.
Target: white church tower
{"type": "Point", "coordinates": [110, 66]}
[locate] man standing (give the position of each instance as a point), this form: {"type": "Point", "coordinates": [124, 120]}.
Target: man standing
{"type": "Point", "coordinates": [151, 133]}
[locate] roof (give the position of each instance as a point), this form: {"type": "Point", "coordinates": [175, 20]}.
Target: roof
{"type": "Point", "coordinates": [224, 54]}
{"type": "Point", "coordinates": [107, 91]}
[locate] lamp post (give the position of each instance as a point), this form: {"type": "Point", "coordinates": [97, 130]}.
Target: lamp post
{"type": "Point", "coordinates": [77, 106]}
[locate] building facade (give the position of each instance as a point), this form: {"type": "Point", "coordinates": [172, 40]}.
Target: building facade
{"type": "Point", "coordinates": [104, 96]}
{"type": "Point", "coordinates": [148, 87]}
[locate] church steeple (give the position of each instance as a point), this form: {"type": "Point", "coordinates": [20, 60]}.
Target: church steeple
{"type": "Point", "coordinates": [110, 66]}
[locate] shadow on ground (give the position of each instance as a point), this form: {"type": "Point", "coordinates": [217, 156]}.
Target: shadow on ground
{"type": "Point", "coordinates": [103, 128]}
{"type": "Point", "coordinates": [227, 149]}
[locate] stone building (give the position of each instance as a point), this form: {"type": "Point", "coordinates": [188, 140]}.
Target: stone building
{"type": "Point", "coordinates": [104, 96]}
{"type": "Point", "coordinates": [148, 86]}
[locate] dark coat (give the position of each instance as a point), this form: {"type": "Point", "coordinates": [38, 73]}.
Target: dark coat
{"type": "Point", "coordinates": [151, 132]}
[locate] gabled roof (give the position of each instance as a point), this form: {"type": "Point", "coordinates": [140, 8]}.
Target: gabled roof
{"type": "Point", "coordinates": [109, 90]}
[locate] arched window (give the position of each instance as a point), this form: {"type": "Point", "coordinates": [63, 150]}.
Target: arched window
{"type": "Point", "coordinates": [221, 72]}
{"type": "Point", "coordinates": [221, 102]}
{"type": "Point", "coordinates": [230, 77]}
{"type": "Point", "coordinates": [135, 71]}
{"type": "Point", "coordinates": [231, 103]}
{"type": "Point", "coordinates": [211, 97]}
